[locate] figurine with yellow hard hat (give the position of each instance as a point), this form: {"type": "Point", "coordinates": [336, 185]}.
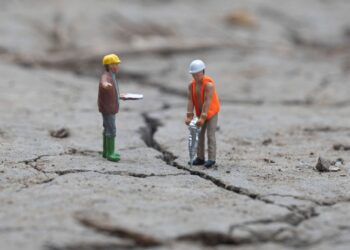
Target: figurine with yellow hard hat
{"type": "Point", "coordinates": [108, 104]}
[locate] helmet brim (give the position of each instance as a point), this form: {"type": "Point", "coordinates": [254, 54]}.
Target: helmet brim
{"type": "Point", "coordinates": [194, 72]}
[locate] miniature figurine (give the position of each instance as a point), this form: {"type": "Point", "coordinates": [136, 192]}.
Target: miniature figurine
{"type": "Point", "coordinates": [203, 98]}
{"type": "Point", "coordinates": [108, 104]}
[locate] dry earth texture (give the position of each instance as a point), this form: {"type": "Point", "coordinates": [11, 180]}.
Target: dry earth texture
{"type": "Point", "coordinates": [282, 71]}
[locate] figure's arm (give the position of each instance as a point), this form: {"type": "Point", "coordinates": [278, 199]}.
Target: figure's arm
{"type": "Point", "coordinates": [208, 94]}
{"type": "Point", "coordinates": [190, 106]}
{"type": "Point", "coordinates": [105, 84]}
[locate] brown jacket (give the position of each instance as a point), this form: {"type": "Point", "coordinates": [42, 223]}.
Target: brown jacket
{"type": "Point", "coordinates": [107, 98]}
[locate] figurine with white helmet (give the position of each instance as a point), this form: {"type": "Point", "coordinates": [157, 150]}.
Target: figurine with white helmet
{"type": "Point", "coordinates": [203, 99]}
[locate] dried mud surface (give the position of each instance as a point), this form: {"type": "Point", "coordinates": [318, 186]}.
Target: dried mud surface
{"type": "Point", "coordinates": [282, 72]}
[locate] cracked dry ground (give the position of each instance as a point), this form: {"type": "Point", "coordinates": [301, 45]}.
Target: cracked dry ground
{"type": "Point", "coordinates": [285, 101]}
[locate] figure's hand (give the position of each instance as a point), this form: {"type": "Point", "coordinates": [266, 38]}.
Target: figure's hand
{"type": "Point", "coordinates": [200, 123]}
{"type": "Point", "coordinates": [201, 120]}
{"type": "Point", "coordinates": [189, 117]}
{"type": "Point", "coordinates": [122, 97]}
{"type": "Point", "coordinates": [106, 85]}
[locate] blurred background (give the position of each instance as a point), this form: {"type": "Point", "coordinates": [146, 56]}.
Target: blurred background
{"type": "Point", "coordinates": [289, 52]}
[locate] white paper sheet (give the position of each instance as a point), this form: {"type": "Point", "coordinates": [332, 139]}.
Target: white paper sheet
{"type": "Point", "coordinates": [130, 96]}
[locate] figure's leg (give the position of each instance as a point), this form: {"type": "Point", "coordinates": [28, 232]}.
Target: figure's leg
{"type": "Point", "coordinates": [200, 160]}
{"type": "Point", "coordinates": [211, 130]}
{"type": "Point", "coordinates": [104, 152]}
{"type": "Point", "coordinates": [114, 137]}
{"type": "Point", "coordinates": [110, 133]}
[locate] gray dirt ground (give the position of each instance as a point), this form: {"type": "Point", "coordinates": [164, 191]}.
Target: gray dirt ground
{"type": "Point", "coordinates": [282, 71]}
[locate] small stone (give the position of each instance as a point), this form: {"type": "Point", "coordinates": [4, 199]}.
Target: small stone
{"type": "Point", "coordinates": [324, 165]}
{"type": "Point", "coordinates": [338, 164]}
{"type": "Point", "coordinates": [60, 133]}
{"type": "Point", "coordinates": [241, 18]}
{"type": "Point", "coordinates": [267, 141]}
{"type": "Point", "coordinates": [268, 160]}
{"type": "Point", "coordinates": [166, 106]}
{"type": "Point", "coordinates": [342, 147]}
{"type": "Point", "coordinates": [341, 160]}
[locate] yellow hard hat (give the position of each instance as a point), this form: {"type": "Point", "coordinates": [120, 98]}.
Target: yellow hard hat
{"type": "Point", "coordinates": [110, 59]}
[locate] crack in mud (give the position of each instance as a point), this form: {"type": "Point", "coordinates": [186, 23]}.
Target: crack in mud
{"type": "Point", "coordinates": [92, 246]}
{"type": "Point", "coordinates": [316, 202]}
{"type": "Point", "coordinates": [293, 219]}
{"type": "Point", "coordinates": [326, 129]}
{"type": "Point", "coordinates": [71, 151]}
{"type": "Point", "coordinates": [147, 135]}
{"type": "Point", "coordinates": [320, 203]}
{"type": "Point", "coordinates": [102, 223]}
{"type": "Point", "coordinates": [120, 173]}
{"type": "Point", "coordinates": [33, 163]}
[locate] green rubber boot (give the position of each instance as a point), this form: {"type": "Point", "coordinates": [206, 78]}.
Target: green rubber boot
{"type": "Point", "coordinates": [104, 153]}
{"type": "Point", "coordinates": [111, 155]}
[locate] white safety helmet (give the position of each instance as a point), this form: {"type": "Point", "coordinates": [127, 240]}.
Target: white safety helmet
{"type": "Point", "coordinates": [196, 66]}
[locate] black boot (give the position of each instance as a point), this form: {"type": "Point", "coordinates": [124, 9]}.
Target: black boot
{"type": "Point", "coordinates": [198, 162]}
{"type": "Point", "coordinates": [209, 164]}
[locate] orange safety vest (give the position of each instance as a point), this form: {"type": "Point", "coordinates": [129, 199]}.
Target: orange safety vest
{"type": "Point", "coordinates": [214, 106]}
